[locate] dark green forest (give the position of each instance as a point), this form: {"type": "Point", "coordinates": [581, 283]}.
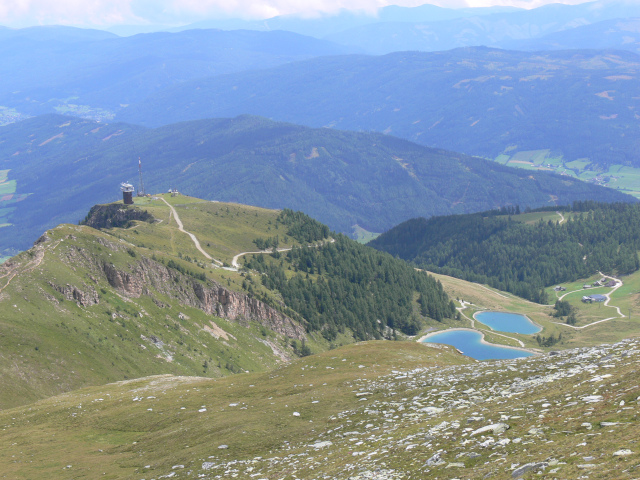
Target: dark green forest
{"type": "Point", "coordinates": [496, 249]}
{"type": "Point", "coordinates": [343, 284]}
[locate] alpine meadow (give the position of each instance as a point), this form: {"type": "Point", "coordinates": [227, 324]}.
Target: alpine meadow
{"type": "Point", "coordinates": [320, 240]}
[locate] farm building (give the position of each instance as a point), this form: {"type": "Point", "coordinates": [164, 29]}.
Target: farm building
{"type": "Point", "coordinates": [610, 283]}
{"type": "Point", "coordinates": [593, 298]}
{"type": "Point", "coordinates": [559, 288]}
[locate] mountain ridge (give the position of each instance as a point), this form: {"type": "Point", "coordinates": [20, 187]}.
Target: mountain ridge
{"type": "Point", "coordinates": [62, 165]}
{"type": "Point", "coordinates": [478, 101]}
{"type": "Point", "coordinates": [88, 307]}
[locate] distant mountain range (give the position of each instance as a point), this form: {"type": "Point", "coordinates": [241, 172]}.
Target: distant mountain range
{"type": "Point", "coordinates": [403, 28]}
{"type": "Point", "coordinates": [60, 166]}
{"type": "Point", "coordinates": [326, 25]}
{"type": "Point", "coordinates": [94, 73]}
{"type": "Point", "coordinates": [622, 34]}
{"type": "Point", "coordinates": [510, 29]}
{"type": "Point", "coordinates": [480, 101]}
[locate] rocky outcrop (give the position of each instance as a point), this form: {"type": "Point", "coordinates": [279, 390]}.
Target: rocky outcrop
{"type": "Point", "coordinates": [85, 298]}
{"type": "Point", "coordinates": [44, 238]}
{"type": "Point", "coordinates": [225, 303]}
{"type": "Point", "coordinates": [211, 297]}
{"type": "Point", "coordinates": [115, 216]}
{"type": "Point", "coordinates": [129, 284]}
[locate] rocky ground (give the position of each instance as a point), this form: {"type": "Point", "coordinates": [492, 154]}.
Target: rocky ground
{"type": "Point", "coordinates": [569, 415]}
{"type": "Point", "coordinates": [376, 410]}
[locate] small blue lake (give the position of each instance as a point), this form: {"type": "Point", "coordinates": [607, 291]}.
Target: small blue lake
{"type": "Point", "coordinates": [507, 322]}
{"type": "Point", "coordinates": [470, 343]}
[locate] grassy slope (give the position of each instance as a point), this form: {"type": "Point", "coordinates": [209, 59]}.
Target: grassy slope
{"type": "Point", "coordinates": [50, 345]}
{"type": "Point", "coordinates": [109, 435]}
{"type": "Point", "coordinates": [366, 399]}
{"type": "Point", "coordinates": [383, 409]}
{"type": "Point", "coordinates": [482, 298]}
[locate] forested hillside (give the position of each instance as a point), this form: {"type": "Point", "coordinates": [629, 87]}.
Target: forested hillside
{"type": "Point", "coordinates": [578, 104]}
{"type": "Point", "coordinates": [61, 166]}
{"type": "Point", "coordinates": [342, 284]}
{"type": "Point", "coordinates": [347, 285]}
{"type": "Point", "coordinates": [501, 250]}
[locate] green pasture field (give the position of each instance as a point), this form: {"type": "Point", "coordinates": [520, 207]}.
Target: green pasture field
{"type": "Point", "coordinates": [535, 217]}
{"type": "Point", "coordinates": [362, 235]}
{"type": "Point", "coordinates": [619, 177]}
{"type": "Point", "coordinates": [483, 297]}
{"type": "Point", "coordinates": [7, 187]}
{"type": "Point", "coordinates": [223, 229]}
{"type": "Point", "coordinates": [503, 159]}
{"type": "Point", "coordinates": [579, 164]}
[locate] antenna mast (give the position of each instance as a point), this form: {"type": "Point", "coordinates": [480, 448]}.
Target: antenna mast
{"type": "Point", "coordinates": [141, 185]}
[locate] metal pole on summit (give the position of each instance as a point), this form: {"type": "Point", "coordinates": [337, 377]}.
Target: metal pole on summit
{"type": "Point", "coordinates": [141, 185]}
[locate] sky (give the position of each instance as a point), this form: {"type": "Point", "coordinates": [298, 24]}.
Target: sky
{"type": "Point", "coordinates": [20, 13]}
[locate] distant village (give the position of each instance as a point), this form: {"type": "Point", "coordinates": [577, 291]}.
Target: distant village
{"type": "Point", "coordinates": [594, 297]}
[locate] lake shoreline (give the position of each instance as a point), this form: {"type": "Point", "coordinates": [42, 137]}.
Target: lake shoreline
{"type": "Point", "coordinates": [482, 340]}
{"type": "Point", "coordinates": [507, 313]}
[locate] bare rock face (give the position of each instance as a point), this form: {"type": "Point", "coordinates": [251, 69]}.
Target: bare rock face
{"type": "Point", "coordinates": [212, 298]}
{"type": "Point", "coordinates": [44, 238]}
{"type": "Point", "coordinates": [115, 215]}
{"type": "Point", "coordinates": [85, 298]}
{"type": "Point", "coordinates": [126, 283]}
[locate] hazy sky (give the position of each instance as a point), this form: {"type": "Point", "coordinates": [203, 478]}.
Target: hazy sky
{"type": "Point", "coordinates": [114, 12]}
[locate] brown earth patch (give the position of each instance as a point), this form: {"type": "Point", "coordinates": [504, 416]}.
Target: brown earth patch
{"type": "Point", "coordinates": [60, 135]}
{"type": "Point", "coordinates": [605, 94]}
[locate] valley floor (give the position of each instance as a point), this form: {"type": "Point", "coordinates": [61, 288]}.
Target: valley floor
{"type": "Point", "coordinates": [608, 321]}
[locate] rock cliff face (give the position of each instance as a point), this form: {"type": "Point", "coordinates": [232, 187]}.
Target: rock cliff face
{"type": "Point", "coordinates": [115, 215]}
{"type": "Point", "coordinates": [147, 275]}
{"type": "Point", "coordinates": [85, 297]}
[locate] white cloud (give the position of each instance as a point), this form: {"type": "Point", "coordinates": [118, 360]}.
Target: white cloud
{"type": "Point", "coordinates": [114, 12]}
{"type": "Point", "coordinates": [65, 12]}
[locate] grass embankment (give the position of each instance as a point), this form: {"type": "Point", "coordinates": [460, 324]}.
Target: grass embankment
{"type": "Point", "coordinates": [372, 410]}
{"type": "Point", "coordinates": [51, 344]}
{"type": "Point", "coordinates": [142, 427]}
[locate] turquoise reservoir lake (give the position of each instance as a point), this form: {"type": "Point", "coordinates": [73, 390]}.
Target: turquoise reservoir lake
{"type": "Point", "coordinates": [470, 343]}
{"type": "Point", "coordinates": [507, 322]}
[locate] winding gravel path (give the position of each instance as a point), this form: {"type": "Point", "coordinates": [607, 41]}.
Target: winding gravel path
{"type": "Point", "coordinates": [606, 304]}
{"type": "Point", "coordinates": [193, 237]}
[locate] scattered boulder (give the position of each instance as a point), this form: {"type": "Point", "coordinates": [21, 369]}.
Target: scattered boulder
{"type": "Point", "coordinates": [537, 466]}
{"type": "Point", "coordinates": [434, 461]}
{"type": "Point", "coordinates": [496, 429]}
{"type": "Point", "coordinates": [622, 453]}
